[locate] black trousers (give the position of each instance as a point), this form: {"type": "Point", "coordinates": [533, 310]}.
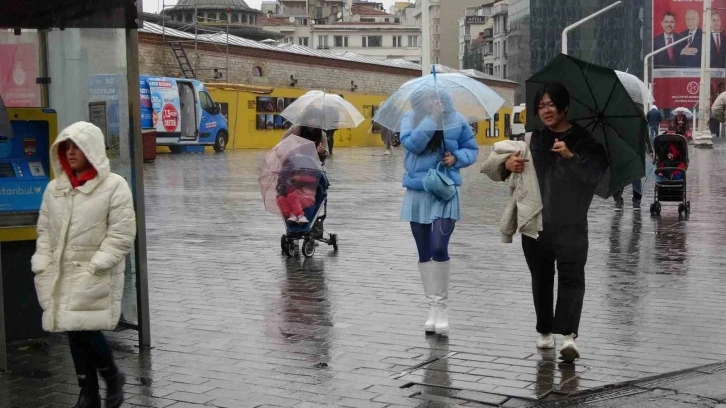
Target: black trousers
{"type": "Point", "coordinates": [568, 252]}
{"type": "Point", "coordinates": [91, 353]}
{"type": "Point", "coordinates": [331, 139]}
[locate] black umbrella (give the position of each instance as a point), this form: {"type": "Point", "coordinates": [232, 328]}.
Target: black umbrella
{"type": "Point", "coordinates": [600, 103]}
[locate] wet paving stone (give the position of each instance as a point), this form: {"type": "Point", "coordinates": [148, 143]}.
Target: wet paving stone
{"type": "Point", "coordinates": [237, 324]}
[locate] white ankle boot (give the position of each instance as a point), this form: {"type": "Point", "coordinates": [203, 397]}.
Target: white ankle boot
{"type": "Point", "coordinates": [427, 273]}
{"type": "Point", "coordinates": [441, 274]}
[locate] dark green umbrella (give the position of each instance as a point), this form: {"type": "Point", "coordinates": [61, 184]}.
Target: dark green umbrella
{"type": "Point", "coordinates": [600, 103]}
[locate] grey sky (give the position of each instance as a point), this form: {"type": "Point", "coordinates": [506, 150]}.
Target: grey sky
{"type": "Point", "coordinates": [153, 6]}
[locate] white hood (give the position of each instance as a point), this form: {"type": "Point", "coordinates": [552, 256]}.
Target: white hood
{"type": "Point", "coordinates": [89, 138]}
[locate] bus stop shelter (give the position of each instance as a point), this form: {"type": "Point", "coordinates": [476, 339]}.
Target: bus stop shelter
{"type": "Point", "coordinates": [77, 59]}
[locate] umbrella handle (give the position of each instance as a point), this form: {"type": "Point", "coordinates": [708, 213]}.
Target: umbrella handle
{"type": "Point", "coordinates": [433, 71]}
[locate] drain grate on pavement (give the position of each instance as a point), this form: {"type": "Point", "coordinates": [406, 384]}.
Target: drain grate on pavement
{"type": "Point", "coordinates": [713, 368]}
{"type": "Point", "coordinates": [419, 366]}
{"type": "Point", "coordinates": [592, 398]}
{"type": "Point", "coordinates": [665, 381]}
{"type": "Point", "coordinates": [453, 396]}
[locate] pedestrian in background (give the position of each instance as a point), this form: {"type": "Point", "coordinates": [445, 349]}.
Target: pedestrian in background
{"type": "Point", "coordinates": [654, 117]}
{"type": "Point", "coordinates": [432, 219]}
{"type": "Point", "coordinates": [86, 228]}
{"type": "Point", "coordinates": [637, 185]}
{"type": "Point", "coordinates": [569, 163]}
{"type": "Point", "coordinates": [332, 118]}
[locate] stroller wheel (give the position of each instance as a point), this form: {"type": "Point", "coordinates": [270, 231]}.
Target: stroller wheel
{"type": "Point", "coordinates": [334, 241]}
{"type": "Point", "coordinates": [681, 209]}
{"type": "Point", "coordinates": [290, 250]}
{"type": "Point", "coordinates": [308, 248]}
{"type": "Point", "coordinates": [283, 243]}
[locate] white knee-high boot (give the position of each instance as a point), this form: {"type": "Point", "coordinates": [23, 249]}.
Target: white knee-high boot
{"type": "Point", "coordinates": [427, 278]}
{"type": "Point", "coordinates": [441, 275]}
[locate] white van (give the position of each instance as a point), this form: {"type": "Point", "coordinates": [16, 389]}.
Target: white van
{"type": "Point", "coordinates": [517, 122]}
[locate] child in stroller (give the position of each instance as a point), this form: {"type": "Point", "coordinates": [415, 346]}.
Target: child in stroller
{"type": "Point", "coordinates": [296, 192]}
{"type": "Point", "coordinates": [672, 160]}
{"type": "Point", "coordinates": [671, 151]}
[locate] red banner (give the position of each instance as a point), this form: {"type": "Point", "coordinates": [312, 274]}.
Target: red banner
{"type": "Point", "coordinates": [676, 71]}
{"type": "Point", "coordinates": [18, 72]}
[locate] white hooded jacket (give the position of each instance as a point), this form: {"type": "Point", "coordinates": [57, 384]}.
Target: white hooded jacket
{"type": "Point", "coordinates": [524, 209]}
{"type": "Point", "coordinates": [84, 235]}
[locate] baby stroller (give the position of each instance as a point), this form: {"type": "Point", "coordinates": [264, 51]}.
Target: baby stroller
{"type": "Point", "coordinates": [312, 231]}
{"type": "Point", "coordinates": [672, 186]}
{"type": "Point", "coordinates": [294, 186]}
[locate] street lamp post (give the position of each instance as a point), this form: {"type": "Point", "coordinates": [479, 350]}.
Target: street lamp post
{"type": "Point", "coordinates": [425, 38]}
{"type": "Point", "coordinates": [579, 23]}
{"type": "Point", "coordinates": [702, 135]}
{"type": "Point", "coordinates": [646, 78]}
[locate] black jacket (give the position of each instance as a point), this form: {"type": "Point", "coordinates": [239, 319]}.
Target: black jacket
{"type": "Point", "coordinates": [567, 186]}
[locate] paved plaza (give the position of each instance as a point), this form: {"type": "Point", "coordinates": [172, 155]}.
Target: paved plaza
{"type": "Point", "coordinates": [236, 324]}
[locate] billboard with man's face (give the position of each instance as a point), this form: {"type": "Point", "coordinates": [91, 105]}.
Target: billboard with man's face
{"type": "Point", "coordinates": [676, 70]}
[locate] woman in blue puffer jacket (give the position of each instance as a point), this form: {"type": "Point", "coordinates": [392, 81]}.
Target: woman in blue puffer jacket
{"type": "Point", "coordinates": [432, 220]}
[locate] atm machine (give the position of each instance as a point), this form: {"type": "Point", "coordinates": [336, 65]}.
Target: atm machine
{"type": "Point", "coordinates": [25, 138]}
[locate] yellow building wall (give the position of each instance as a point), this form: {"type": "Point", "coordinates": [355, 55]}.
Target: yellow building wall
{"type": "Point", "coordinates": [242, 119]}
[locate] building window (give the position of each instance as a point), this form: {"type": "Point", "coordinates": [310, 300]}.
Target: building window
{"type": "Point", "coordinates": [253, 19]}
{"type": "Point", "coordinates": [436, 45]}
{"type": "Point", "coordinates": [436, 29]}
{"type": "Point", "coordinates": [367, 20]}
{"type": "Point", "coordinates": [190, 18]}
{"type": "Point", "coordinates": [413, 41]}
{"type": "Point", "coordinates": [211, 17]}
{"type": "Point", "coordinates": [257, 72]}
{"type": "Point", "coordinates": [397, 41]}
{"type": "Point", "coordinates": [318, 13]}
{"type": "Point", "coordinates": [341, 41]}
{"type": "Point", "coordinates": [223, 17]}
{"type": "Point", "coordinates": [304, 41]}
{"type": "Point", "coordinates": [323, 42]}
{"type": "Point", "coordinates": [244, 18]}
{"type": "Point", "coordinates": [397, 20]}
{"type": "Point", "coordinates": [372, 41]}
{"type": "Point", "coordinates": [387, 20]}
{"type": "Point", "coordinates": [235, 18]}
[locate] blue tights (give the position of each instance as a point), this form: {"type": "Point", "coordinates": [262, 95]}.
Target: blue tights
{"type": "Point", "coordinates": [432, 240]}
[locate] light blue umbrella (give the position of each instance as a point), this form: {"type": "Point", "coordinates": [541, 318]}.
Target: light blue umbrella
{"type": "Point", "coordinates": [440, 97]}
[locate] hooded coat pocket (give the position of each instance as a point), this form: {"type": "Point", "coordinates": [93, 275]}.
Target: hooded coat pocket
{"type": "Point", "coordinates": [44, 286]}
{"type": "Point", "coordinates": [91, 292]}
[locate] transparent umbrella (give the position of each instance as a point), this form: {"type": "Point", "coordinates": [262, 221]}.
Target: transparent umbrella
{"type": "Point", "coordinates": [322, 110]}
{"type": "Point", "coordinates": [636, 88]}
{"type": "Point", "coordinates": [683, 110]}
{"type": "Point", "coordinates": [440, 96]}
{"type": "Point", "coordinates": [292, 164]}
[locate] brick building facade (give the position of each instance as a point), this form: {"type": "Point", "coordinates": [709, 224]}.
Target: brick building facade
{"type": "Point", "coordinates": [256, 66]}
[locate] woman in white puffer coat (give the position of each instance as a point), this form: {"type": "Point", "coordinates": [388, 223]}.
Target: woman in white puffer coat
{"type": "Point", "coordinates": [86, 227]}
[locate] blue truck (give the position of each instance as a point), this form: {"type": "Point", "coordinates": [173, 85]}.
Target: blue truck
{"type": "Point", "coordinates": [182, 113]}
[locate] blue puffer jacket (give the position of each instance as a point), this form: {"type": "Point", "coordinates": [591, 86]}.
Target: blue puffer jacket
{"type": "Point", "coordinates": [459, 141]}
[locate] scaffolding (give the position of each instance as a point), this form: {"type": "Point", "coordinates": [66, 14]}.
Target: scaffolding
{"type": "Point", "coordinates": [201, 25]}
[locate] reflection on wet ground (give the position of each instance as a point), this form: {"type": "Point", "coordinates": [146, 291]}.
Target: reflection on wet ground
{"type": "Point", "coordinates": [237, 324]}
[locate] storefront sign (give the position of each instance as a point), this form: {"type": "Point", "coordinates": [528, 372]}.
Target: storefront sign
{"type": "Point", "coordinates": [475, 20]}
{"type": "Point", "coordinates": [18, 72]}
